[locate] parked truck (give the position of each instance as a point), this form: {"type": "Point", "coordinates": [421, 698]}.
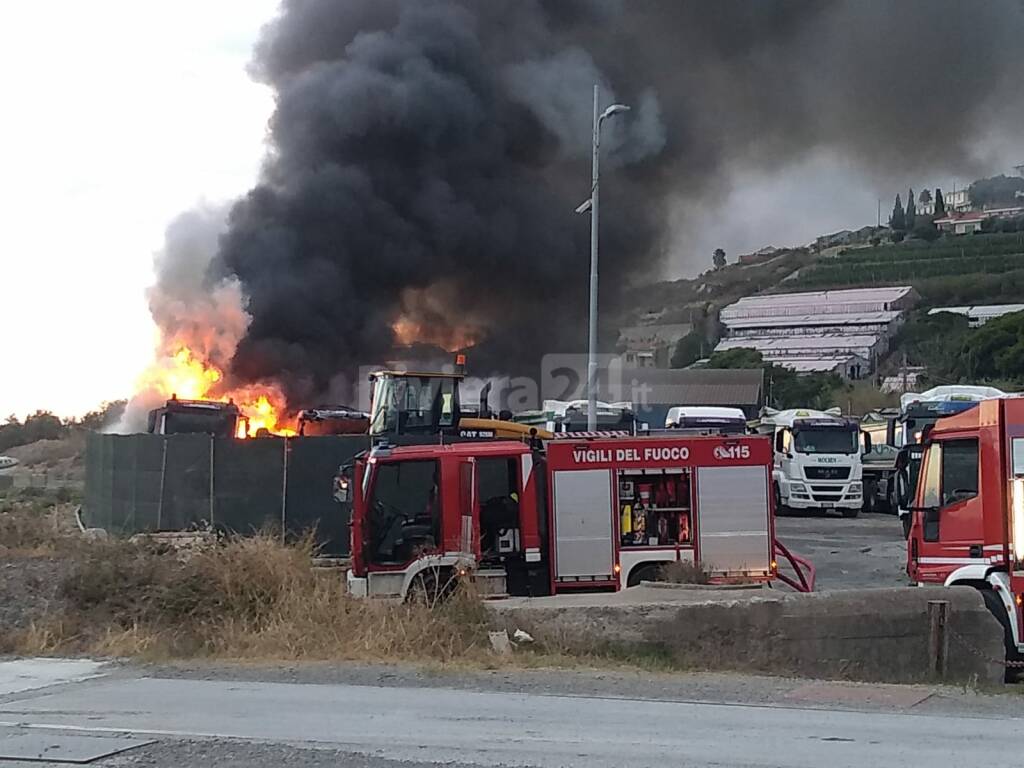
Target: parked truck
{"type": "Point", "coordinates": [817, 460]}
{"type": "Point", "coordinates": [211, 417]}
{"type": "Point", "coordinates": [967, 512]}
{"type": "Point", "coordinates": [918, 413]}
{"type": "Point", "coordinates": [706, 419]}
{"type": "Point", "coordinates": [535, 517]}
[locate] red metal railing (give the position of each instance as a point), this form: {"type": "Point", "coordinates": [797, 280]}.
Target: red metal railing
{"type": "Point", "coordinates": [804, 582]}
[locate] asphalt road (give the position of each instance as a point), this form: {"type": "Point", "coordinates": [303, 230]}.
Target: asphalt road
{"type": "Point", "coordinates": [867, 551]}
{"type": "Point", "coordinates": [250, 722]}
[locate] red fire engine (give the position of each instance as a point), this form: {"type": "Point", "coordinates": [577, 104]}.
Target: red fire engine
{"type": "Point", "coordinates": [566, 514]}
{"type": "Point", "coordinates": [968, 513]}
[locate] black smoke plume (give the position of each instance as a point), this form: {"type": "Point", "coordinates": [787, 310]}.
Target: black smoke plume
{"type": "Point", "coordinates": [427, 155]}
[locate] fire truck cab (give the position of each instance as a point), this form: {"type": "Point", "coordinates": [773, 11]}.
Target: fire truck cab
{"type": "Point", "coordinates": [967, 525]}
{"type": "Point", "coordinates": [566, 514]}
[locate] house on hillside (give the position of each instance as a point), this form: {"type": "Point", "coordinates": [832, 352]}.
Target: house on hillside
{"type": "Point", "coordinates": [959, 200]}
{"type": "Point", "coordinates": [970, 222]}
{"type": "Point", "coordinates": [759, 256]}
{"type": "Point", "coordinates": [842, 237]}
{"type": "Point", "coordinates": [650, 346]}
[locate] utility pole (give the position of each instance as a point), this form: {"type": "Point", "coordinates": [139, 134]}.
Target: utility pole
{"type": "Point", "coordinates": [592, 205]}
{"type": "Point", "coordinates": [595, 183]}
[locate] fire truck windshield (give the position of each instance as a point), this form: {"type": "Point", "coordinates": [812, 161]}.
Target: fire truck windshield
{"type": "Point", "coordinates": [826, 440]}
{"type": "Point", "coordinates": [404, 510]}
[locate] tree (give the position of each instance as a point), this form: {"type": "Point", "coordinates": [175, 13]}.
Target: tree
{"type": "Point", "coordinates": [940, 204]}
{"type": "Point", "coordinates": [718, 259]}
{"type": "Point", "coordinates": [911, 213]}
{"type": "Point", "coordinates": [898, 220]}
{"type": "Point", "coordinates": [41, 425]}
{"type": "Point", "coordinates": [925, 198]}
{"type": "Point", "coordinates": [104, 416]}
{"type": "Point", "coordinates": [925, 229]}
{"type": "Point", "coordinates": [995, 351]}
{"type": "Point", "coordinates": [689, 350]}
{"type": "Point", "coordinates": [741, 357]}
{"type": "Point", "coordinates": [997, 191]}
{"type": "Point", "coordinates": [785, 387]}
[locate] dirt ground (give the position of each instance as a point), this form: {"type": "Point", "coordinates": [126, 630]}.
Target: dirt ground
{"type": "Point", "coordinates": [868, 551]}
{"type": "Point", "coordinates": [50, 463]}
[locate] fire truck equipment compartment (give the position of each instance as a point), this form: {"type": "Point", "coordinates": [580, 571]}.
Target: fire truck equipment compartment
{"type": "Point", "coordinates": [734, 512]}
{"type": "Point", "coordinates": [583, 525]}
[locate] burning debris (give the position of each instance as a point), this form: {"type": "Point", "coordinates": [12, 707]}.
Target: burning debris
{"type": "Point", "coordinates": [426, 159]}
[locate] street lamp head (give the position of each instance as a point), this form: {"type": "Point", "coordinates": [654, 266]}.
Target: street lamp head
{"type": "Point", "coordinates": [614, 109]}
{"type": "Point", "coordinates": [585, 206]}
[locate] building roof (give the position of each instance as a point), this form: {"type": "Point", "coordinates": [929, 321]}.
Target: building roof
{"type": "Point", "coordinates": [813, 345]}
{"type": "Point", "coordinates": [981, 311]}
{"type": "Point", "coordinates": [680, 386]}
{"type": "Point", "coordinates": [967, 217]}
{"type": "Point", "coordinates": [818, 364]}
{"type": "Point", "coordinates": [813, 318]}
{"type": "Point", "coordinates": [648, 335]}
{"type": "Point", "coordinates": [781, 305]}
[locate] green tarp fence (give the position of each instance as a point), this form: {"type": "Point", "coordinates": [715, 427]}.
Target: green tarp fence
{"type": "Point", "coordinates": [147, 483]}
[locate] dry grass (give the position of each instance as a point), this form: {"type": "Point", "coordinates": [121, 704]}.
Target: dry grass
{"type": "Point", "coordinates": [249, 598]}
{"type": "Point", "coordinates": [685, 573]}
{"type": "Point", "coordinates": [34, 521]}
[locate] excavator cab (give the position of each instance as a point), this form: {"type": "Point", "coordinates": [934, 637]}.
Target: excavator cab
{"type": "Point", "coordinates": [408, 403]}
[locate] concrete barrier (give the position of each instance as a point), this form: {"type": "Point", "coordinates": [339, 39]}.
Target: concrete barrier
{"type": "Point", "coordinates": [867, 635]}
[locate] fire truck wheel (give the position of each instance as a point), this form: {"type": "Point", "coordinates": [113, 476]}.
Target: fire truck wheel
{"type": "Point", "coordinates": [649, 572]}
{"type": "Point", "coordinates": [851, 513]}
{"type": "Point", "coordinates": [431, 586]}
{"type": "Point", "coordinates": [780, 509]}
{"type": "Point", "coordinates": [995, 606]}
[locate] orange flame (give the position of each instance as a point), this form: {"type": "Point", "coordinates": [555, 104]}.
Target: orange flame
{"type": "Point", "coordinates": [187, 377]}
{"type": "Point", "coordinates": [408, 331]}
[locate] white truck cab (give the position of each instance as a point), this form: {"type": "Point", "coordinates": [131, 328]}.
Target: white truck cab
{"type": "Point", "coordinates": [817, 463]}
{"type": "Point", "coordinates": [706, 419]}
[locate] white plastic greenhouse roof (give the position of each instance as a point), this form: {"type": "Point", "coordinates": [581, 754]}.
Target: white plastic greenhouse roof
{"type": "Point", "coordinates": [815, 318]}
{"type": "Point", "coordinates": [812, 365]}
{"type": "Point", "coordinates": [850, 301]}
{"type": "Point", "coordinates": [836, 342]}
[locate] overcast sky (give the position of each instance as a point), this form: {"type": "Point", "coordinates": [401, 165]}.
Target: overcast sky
{"type": "Point", "coordinates": [120, 114]}
{"type": "Point", "coordinates": [117, 115]}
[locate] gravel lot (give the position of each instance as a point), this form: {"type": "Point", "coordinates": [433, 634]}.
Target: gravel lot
{"type": "Point", "coordinates": [867, 551]}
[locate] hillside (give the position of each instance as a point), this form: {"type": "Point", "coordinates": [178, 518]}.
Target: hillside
{"type": "Point", "coordinates": [968, 269]}
{"type": "Point", "coordinates": [984, 268]}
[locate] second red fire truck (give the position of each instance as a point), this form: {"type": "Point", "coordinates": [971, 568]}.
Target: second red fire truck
{"type": "Point", "coordinates": [533, 518]}
{"type": "Point", "coordinates": [968, 512]}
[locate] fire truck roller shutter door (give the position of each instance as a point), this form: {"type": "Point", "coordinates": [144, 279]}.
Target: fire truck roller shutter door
{"type": "Point", "coordinates": [733, 519]}
{"type": "Point", "coordinates": [583, 524]}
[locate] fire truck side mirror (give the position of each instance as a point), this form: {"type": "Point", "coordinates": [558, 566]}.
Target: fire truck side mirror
{"type": "Point", "coordinates": [866, 437]}
{"type": "Point", "coordinates": [780, 441]}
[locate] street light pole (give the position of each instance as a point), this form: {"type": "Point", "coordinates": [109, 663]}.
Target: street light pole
{"type": "Point", "coordinates": [595, 183]}
{"type": "Point", "coordinates": [592, 205]}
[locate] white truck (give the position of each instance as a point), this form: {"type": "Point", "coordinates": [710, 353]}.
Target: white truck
{"type": "Point", "coordinates": [706, 419]}
{"type": "Point", "coordinates": [817, 464]}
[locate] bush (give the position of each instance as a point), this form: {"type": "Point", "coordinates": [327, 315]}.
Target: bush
{"type": "Point", "coordinates": [247, 598]}
{"type": "Point", "coordinates": [684, 573]}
